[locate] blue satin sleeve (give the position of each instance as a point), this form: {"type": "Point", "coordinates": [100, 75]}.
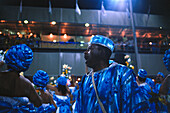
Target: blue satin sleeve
{"type": "Point", "coordinates": [79, 101]}
{"type": "Point", "coordinates": [63, 105]}
{"type": "Point", "coordinates": [127, 89]}
{"type": "Point", "coordinates": [157, 88]}
{"type": "Point", "coordinates": [6, 107]}
{"type": "Point", "coordinates": [150, 82]}
{"type": "Point", "coordinates": [142, 97]}
{"type": "Point", "coordinates": [48, 109]}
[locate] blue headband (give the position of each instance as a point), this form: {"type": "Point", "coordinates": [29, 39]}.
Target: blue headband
{"type": "Point", "coordinates": [41, 78]}
{"type": "Point", "coordinates": [160, 73]}
{"type": "Point", "coordinates": [166, 59]}
{"type": "Point", "coordinates": [62, 81]}
{"type": "Point", "coordinates": [19, 57]}
{"type": "Point", "coordinates": [103, 41]}
{"type": "Point", "coordinates": [142, 73]}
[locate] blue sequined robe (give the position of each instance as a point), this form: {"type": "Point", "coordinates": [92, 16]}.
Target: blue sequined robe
{"type": "Point", "coordinates": [142, 97]}
{"type": "Point", "coordinates": [22, 105]}
{"type": "Point", "coordinates": [16, 105]}
{"type": "Point", "coordinates": [116, 89]}
{"type": "Point", "coordinates": [63, 103]}
{"type": "Point", "coordinates": [157, 104]}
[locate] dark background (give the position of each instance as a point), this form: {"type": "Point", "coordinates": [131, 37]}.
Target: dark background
{"type": "Point", "coordinates": [160, 7]}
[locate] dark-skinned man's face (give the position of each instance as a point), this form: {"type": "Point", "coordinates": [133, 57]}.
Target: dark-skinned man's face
{"type": "Point", "coordinates": [92, 55]}
{"type": "Point", "coordinates": [159, 78]}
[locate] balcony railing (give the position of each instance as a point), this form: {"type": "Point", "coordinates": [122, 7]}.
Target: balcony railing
{"type": "Point", "coordinates": [142, 48]}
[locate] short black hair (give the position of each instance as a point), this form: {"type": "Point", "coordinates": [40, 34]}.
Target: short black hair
{"type": "Point", "coordinates": [62, 88]}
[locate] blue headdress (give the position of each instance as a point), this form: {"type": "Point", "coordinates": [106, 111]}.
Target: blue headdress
{"type": "Point", "coordinates": [103, 41]}
{"type": "Point", "coordinates": [62, 81]}
{"type": "Point", "coordinates": [166, 59]}
{"type": "Point", "coordinates": [19, 57]}
{"type": "Point", "coordinates": [142, 73]}
{"type": "Point", "coordinates": [160, 73]}
{"type": "Point", "coordinates": [41, 78]}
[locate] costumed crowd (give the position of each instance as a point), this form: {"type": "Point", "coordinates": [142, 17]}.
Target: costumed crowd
{"type": "Point", "coordinates": [109, 87]}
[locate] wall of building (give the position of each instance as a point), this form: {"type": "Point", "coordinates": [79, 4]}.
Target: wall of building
{"type": "Point", "coordinates": [11, 13]}
{"type": "Point", "coordinates": [52, 63]}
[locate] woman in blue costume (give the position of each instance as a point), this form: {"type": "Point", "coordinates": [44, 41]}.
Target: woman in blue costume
{"type": "Point", "coordinates": [143, 94]}
{"type": "Point", "coordinates": [115, 83]}
{"type": "Point", "coordinates": [60, 97]}
{"type": "Point", "coordinates": [158, 82]}
{"type": "Point", "coordinates": [16, 92]}
{"type": "Point", "coordinates": [40, 80]}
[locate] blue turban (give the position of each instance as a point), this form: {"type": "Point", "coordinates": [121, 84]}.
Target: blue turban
{"type": "Point", "coordinates": [142, 73]}
{"type": "Point", "coordinates": [19, 57]}
{"type": "Point", "coordinates": [62, 81]}
{"type": "Point", "coordinates": [160, 73]}
{"type": "Point", "coordinates": [41, 78]}
{"type": "Point", "coordinates": [103, 41]}
{"type": "Point", "coordinates": [166, 59]}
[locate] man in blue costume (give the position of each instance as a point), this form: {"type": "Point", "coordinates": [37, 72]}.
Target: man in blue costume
{"type": "Point", "coordinates": [159, 79]}
{"type": "Point", "coordinates": [143, 93]}
{"type": "Point", "coordinates": [113, 83]}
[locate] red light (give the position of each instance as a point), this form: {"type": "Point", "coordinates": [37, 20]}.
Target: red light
{"type": "Point", "coordinates": [3, 21]}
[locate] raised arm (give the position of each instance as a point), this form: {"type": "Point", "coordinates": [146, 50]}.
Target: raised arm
{"type": "Point", "coordinates": [47, 97]}
{"type": "Point", "coordinates": [51, 87]}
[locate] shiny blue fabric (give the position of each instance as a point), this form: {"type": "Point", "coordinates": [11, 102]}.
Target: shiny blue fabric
{"type": "Point", "coordinates": [15, 105]}
{"type": "Point", "coordinates": [157, 88]}
{"type": "Point", "coordinates": [150, 82]}
{"type": "Point", "coordinates": [160, 73]}
{"type": "Point", "coordinates": [19, 57]}
{"type": "Point", "coordinates": [102, 40]}
{"type": "Point", "coordinates": [142, 73]}
{"type": "Point", "coordinates": [116, 89]}
{"type": "Point", "coordinates": [75, 93]}
{"type": "Point", "coordinates": [63, 105]}
{"type": "Point", "coordinates": [41, 78]}
{"type": "Point", "coordinates": [142, 99]}
{"type": "Point", "coordinates": [62, 81]}
{"type": "Point", "coordinates": [111, 61]}
{"type": "Point", "coordinates": [166, 59]}
{"type": "Point", "coordinates": [48, 109]}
